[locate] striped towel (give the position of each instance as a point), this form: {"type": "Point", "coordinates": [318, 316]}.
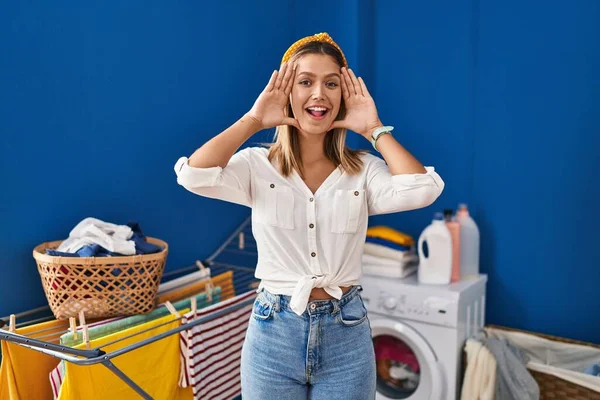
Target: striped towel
{"type": "Point", "coordinates": [211, 352]}
{"type": "Point", "coordinates": [57, 376]}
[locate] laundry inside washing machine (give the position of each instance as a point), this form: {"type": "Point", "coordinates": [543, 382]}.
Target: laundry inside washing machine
{"type": "Point", "coordinates": [398, 370]}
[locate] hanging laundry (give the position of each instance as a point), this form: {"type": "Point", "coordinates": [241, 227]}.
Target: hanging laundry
{"type": "Point", "coordinates": [513, 380]}
{"type": "Point", "coordinates": [106, 327]}
{"type": "Point", "coordinates": [479, 381]}
{"type": "Point", "coordinates": [211, 351]}
{"type": "Point", "coordinates": [156, 367]}
{"type": "Point", "coordinates": [506, 362]}
{"type": "Point", "coordinates": [184, 280]}
{"type": "Point", "coordinates": [24, 372]}
{"type": "Point", "coordinates": [224, 281]}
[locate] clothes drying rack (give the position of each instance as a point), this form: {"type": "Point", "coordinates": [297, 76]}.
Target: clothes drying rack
{"type": "Point", "coordinates": [237, 254]}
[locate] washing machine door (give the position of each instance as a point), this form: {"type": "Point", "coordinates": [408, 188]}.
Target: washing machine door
{"type": "Point", "coordinates": [407, 367]}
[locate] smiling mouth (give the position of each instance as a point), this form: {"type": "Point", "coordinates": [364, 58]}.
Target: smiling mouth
{"type": "Point", "coordinates": [317, 113]}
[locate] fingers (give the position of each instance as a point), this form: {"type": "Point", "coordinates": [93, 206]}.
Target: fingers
{"type": "Point", "coordinates": [280, 76]}
{"type": "Point", "coordinates": [355, 82]}
{"type": "Point", "coordinates": [345, 92]}
{"type": "Point", "coordinates": [291, 121]}
{"type": "Point", "coordinates": [348, 82]}
{"type": "Point", "coordinates": [271, 85]}
{"type": "Point", "coordinates": [364, 87]}
{"type": "Point", "coordinates": [289, 83]}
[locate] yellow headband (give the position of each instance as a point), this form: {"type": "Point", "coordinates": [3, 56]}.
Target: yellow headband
{"type": "Point", "coordinates": [319, 37]}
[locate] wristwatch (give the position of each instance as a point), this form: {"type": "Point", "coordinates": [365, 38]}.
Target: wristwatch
{"type": "Point", "coordinates": [382, 130]}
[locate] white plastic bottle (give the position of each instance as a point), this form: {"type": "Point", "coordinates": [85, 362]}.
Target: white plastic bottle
{"type": "Point", "coordinates": [436, 268]}
{"type": "Point", "coordinates": [469, 243]}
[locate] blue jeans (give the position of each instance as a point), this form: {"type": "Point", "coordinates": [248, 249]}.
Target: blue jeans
{"type": "Point", "coordinates": [324, 354]}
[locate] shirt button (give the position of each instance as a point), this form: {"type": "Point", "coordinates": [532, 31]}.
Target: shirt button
{"type": "Point", "coordinates": [313, 254]}
{"type": "Point", "coordinates": [311, 199]}
{"type": "Point", "coordinates": [313, 306]}
{"type": "Point", "coordinates": [356, 193]}
{"type": "Point", "coordinates": [311, 226]}
{"type": "Point", "coordinates": [272, 185]}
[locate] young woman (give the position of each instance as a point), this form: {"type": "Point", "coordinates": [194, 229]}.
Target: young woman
{"type": "Point", "coordinates": [309, 336]}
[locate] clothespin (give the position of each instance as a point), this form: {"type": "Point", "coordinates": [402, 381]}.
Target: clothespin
{"type": "Point", "coordinates": [84, 328]}
{"type": "Point", "coordinates": [73, 325]}
{"type": "Point", "coordinates": [194, 305]}
{"type": "Point", "coordinates": [241, 241]}
{"type": "Point", "coordinates": [13, 323]}
{"type": "Point", "coordinates": [86, 337]}
{"type": "Point", "coordinates": [172, 309]}
{"type": "Point", "coordinates": [208, 290]}
{"type": "Point", "coordinates": [200, 266]}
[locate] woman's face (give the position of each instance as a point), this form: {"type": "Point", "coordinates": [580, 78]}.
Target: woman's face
{"type": "Point", "coordinates": [316, 95]}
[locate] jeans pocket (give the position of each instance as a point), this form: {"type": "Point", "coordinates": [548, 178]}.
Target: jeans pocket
{"type": "Point", "coordinates": [262, 309]}
{"type": "Point", "coordinates": [353, 312]}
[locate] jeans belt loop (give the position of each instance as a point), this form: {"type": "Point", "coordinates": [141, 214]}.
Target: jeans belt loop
{"type": "Point", "coordinates": [277, 302]}
{"type": "Point", "coordinates": [336, 307]}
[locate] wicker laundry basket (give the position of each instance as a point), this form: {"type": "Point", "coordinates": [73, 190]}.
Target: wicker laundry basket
{"type": "Point", "coordinates": [553, 387]}
{"type": "Point", "coordinates": [100, 286]}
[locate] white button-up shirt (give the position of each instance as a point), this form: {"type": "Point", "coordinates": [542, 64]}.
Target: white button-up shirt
{"type": "Point", "coordinates": [308, 240]}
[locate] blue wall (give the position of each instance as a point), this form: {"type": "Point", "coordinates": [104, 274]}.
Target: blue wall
{"type": "Point", "coordinates": [98, 102]}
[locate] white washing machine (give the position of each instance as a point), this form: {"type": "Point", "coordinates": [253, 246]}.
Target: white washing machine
{"type": "Point", "coordinates": [419, 332]}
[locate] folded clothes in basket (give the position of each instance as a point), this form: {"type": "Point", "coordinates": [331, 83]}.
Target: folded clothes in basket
{"type": "Point", "coordinates": [95, 238]}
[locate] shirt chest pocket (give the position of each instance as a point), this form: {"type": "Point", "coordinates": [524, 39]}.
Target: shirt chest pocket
{"type": "Point", "coordinates": [274, 204]}
{"type": "Point", "coordinates": [347, 210]}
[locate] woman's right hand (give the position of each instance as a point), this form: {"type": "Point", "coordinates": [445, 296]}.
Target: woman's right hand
{"type": "Point", "coordinates": [268, 109]}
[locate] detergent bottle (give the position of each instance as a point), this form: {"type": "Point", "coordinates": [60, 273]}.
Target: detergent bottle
{"type": "Point", "coordinates": [436, 267]}
{"type": "Point", "coordinates": [469, 243]}
{"type": "Point", "coordinates": [454, 228]}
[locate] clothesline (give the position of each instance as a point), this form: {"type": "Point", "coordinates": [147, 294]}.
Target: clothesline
{"type": "Point", "coordinates": [240, 291]}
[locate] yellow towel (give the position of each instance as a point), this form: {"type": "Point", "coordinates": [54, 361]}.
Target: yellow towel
{"type": "Point", "coordinates": [224, 280]}
{"type": "Point", "coordinates": [24, 372]}
{"type": "Point", "coordinates": [154, 367]}
{"type": "Point", "coordinates": [390, 234]}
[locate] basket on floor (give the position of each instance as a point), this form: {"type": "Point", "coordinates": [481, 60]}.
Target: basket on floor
{"type": "Point", "coordinates": [553, 387]}
{"type": "Point", "coordinates": [100, 286]}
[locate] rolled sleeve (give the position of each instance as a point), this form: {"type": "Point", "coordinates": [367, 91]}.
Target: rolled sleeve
{"type": "Point", "coordinates": [389, 193]}
{"type": "Point", "coordinates": [231, 183]}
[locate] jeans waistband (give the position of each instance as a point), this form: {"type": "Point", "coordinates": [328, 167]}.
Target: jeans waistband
{"type": "Point", "coordinates": [282, 302]}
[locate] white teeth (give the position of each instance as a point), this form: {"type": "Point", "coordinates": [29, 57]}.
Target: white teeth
{"type": "Point", "coordinates": [317, 109]}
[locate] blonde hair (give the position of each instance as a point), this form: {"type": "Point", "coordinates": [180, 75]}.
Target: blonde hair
{"type": "Point", "coordinates": [286, 149]}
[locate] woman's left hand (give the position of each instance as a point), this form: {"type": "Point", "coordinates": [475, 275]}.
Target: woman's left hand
{"type": "Point", "coordinates": [361, 113]}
